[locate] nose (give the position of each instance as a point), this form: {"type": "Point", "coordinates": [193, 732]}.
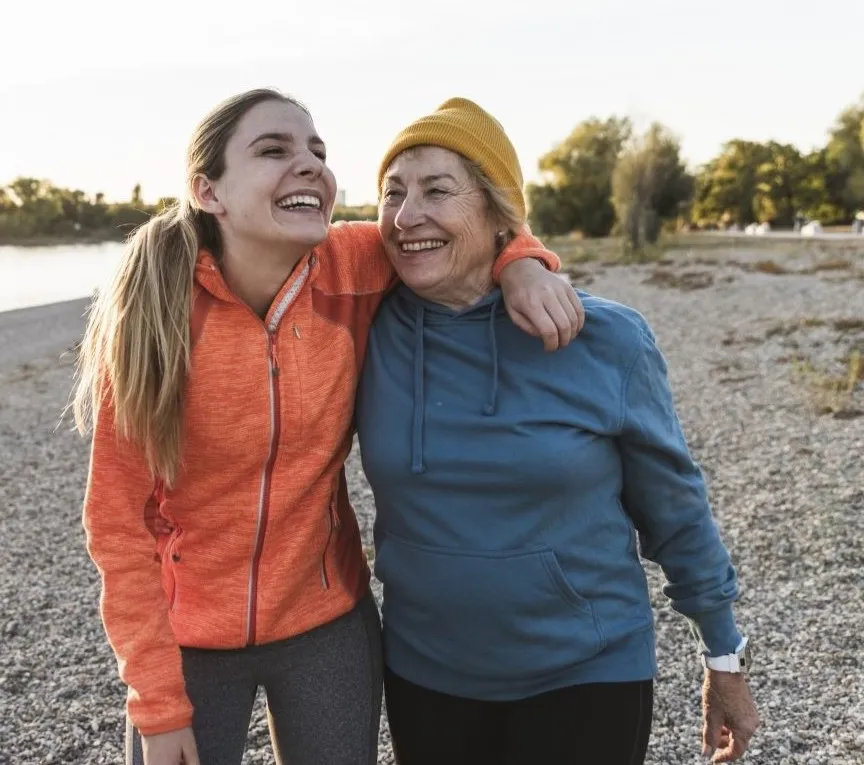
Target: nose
{"type": "Point", "coordinates": [410, 213]}
{"type": "Point", "coordinates": [307, 165]}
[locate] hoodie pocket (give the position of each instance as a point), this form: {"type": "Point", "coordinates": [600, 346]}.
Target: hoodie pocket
{"type": "Point", "coordinates": [171, 558]}
{"type": "Point", "coordinates": [496, 614]}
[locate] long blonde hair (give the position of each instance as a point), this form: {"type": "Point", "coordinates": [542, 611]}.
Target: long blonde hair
{"type": "Point", "coordinates": [136, 347]}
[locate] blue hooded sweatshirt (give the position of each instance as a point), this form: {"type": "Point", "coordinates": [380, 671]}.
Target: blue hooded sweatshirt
{"type": "Point", "coordinates": [511, 485]}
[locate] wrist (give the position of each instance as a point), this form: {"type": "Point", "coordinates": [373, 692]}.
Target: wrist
{"type": "Point", "coordinates": [501, 269]}
{"type": "Point", "coordinates": [735, 663]}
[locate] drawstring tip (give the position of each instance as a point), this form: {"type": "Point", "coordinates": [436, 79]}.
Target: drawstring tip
{"type": "Point", "coordinates": [418, 469]}
{"type": "Point", "coordinates": [489, 410]}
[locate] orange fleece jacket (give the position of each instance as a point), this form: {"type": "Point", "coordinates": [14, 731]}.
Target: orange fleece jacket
{"type": "Point", "coordinates": [257, 540]}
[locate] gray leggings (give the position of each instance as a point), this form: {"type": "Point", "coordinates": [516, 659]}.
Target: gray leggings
{"type": "Point", "coordinates": [323, 695]}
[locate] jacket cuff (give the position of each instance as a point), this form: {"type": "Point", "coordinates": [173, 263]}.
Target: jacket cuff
{"type": "Point", "coordinates": [716, 631]}
{"type": "Point", "coordinates": [546, 257]}
{"type": "Point", "coordinates": [153, 719]}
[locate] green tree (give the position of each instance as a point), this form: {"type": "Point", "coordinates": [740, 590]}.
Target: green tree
{"type": "Point", "coordinates": [845, 159]}
{"type": "Point", "coordinates": [136, 196]}
{"type": "Point", "coordinates": [813, 196]}
{"type": "Point", "coordinates": [364, 212]}
{"type": "Point", "coordinates": [780, 182]}
{"type": "Point", "coordinates": [27, 190]}
{"type": "Point", "coordinates": [726, 186]}
{"type": "Point", "coordinates": [7, 204]}
{"type": "Point", "coordinates": [32, 207]}
{"type": "Point", "coordinates": [649, 185]}
{"type": "Point", "coordinates": [578, 180]}
{"type": "Point", "coordinates": [547, 214]}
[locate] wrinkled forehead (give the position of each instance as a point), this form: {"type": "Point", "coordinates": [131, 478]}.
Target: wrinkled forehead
{"type": "Point", "coordinates": [419, 162]}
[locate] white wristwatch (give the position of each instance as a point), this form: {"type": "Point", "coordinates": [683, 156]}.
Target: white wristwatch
{"type": "Point", "coordinates": [736, 663]}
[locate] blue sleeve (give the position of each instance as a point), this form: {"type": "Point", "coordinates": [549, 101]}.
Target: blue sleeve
{"type": "Point", "coordinates": [665, 495]}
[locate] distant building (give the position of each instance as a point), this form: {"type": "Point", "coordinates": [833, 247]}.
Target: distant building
{"type": "Point", "coordinates": [340, 198]}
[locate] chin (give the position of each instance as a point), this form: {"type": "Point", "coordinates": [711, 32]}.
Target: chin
{"type": "Point", "coordinates": [311, 233]}
{"type": "Point", "coordinates": [417, 281]}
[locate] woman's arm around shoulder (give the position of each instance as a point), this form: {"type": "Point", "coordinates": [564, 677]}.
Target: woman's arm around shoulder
{"type": "Point", "coordinates": [538, 302]}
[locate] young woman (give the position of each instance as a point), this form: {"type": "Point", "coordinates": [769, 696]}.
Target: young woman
{"type": "Point", "coordinates": [219, 374]}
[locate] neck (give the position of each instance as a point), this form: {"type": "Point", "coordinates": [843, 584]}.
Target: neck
{"type": "Point", "coordinates": [256, 271]}
{"type": "Point", "coordinates": [462, 295]}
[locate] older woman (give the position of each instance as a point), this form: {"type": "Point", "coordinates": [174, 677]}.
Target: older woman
{"type": "Point", "coordinates": [511, 486]}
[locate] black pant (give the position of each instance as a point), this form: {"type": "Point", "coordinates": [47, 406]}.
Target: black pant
{"type": "Point", "coordinates": [597, 724]}
{"type": "Point", "coordinates": [323, 691]}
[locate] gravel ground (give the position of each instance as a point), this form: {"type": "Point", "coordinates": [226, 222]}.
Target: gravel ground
{"type": "Point", "coordinates": [787, 484]}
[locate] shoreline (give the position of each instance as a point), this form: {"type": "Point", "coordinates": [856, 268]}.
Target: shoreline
{"type": "Point", "coordinates": [63, 241]}
{"type": "Point", "coordinates": [41, 332]}
{"type": "Point", "coordinates": [4, 312]}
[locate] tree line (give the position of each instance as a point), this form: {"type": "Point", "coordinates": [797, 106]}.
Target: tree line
{"type": "Point", "coordinates": [604, 178]}
{"type": "Point", "coordinates": [601, 179]}
{"type": "Point", "coordinates": [35, 210]}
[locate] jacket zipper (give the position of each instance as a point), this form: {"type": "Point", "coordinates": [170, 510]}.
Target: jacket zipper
{"type": "Point", "coordinates": [275, 426]}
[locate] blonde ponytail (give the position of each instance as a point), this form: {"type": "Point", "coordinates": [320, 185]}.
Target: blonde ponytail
{"type": "Point", "coordinates": [136, 346]}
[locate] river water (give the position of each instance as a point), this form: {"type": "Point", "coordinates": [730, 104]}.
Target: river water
{"type": "Point", "coordinates": [31, 276]}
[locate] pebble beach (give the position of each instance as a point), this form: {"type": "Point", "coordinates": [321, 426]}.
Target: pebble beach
{"type": "Point", "coordinates": [764, 368]}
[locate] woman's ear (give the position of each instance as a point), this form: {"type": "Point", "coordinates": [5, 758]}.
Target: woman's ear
{"type": "Point", "coordinates": [205, 195]}
{"type": "Point", "coordinates": [503, 237]}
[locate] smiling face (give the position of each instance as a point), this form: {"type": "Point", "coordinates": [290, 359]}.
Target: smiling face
{"type": "Point", "coordinates": [436, 226]}
{"type": "Point", "coordinates": [276, 187]}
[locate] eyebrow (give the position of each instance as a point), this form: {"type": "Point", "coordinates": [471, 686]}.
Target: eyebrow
{"type": "Point", "coordinates": [426, 179]}
{"type": "Point", "coordinates": [284, 138]}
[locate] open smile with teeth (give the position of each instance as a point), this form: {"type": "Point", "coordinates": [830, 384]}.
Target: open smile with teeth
{"type": "Point", "coordinates": [427, 244]}
{"type": "Point", "coordinates": [299, 202]}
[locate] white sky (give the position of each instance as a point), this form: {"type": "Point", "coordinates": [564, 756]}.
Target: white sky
{"type": "Point", "coordinates": [100, 95]}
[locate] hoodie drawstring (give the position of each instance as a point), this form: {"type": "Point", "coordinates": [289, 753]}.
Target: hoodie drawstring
{"type": "Point", "coordinates": [489, 408]}
{"type": "Point", "coordinates": [419, 403]}
{"type": "Point", "coordinates": [492, 403]}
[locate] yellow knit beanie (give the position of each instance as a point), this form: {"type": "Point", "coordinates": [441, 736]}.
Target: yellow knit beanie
{"type": "Point", "coordinates": [462, 126]}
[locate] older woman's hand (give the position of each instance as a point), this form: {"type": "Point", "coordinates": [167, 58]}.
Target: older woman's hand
{"type": "Point", "coordinates": [541, 303]}
{"type": "Point", "coordinates": [729, 714]}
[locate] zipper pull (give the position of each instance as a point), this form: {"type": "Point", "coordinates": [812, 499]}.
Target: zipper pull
{"type": "Point", "coordinates": [274, 360]}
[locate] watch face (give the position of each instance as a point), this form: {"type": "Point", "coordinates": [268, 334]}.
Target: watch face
{"type": "Point", "coordinates": [745, 658]}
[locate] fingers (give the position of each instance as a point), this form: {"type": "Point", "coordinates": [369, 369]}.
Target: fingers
{"type": "Point", "coordinates": [547, 329]}
{"type": "Point", "coordinates": [574, 300]}
{"type": "Point", "coordinates": [736, 747]}
{"type": "Point", "coordinates": [572, 314]}
{"type": "Point", "coordinates": [563, 322]}
{"type": "Point", "coordinates": [537, 322]}
{"type": "Point", "coordinates": [572, 307]}
{"type": "Point", "coordinates": [554, 314]}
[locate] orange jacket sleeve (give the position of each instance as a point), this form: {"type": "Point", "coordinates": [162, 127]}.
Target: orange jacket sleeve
{"type": "Point", "coordinates": [363, 242]}
{"type": "Point", "coordinates": [358, 257]}
{"type": "Point", "coordinates": [134, 606]}
{"type": "Point", "coordinates": [525, 245]}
